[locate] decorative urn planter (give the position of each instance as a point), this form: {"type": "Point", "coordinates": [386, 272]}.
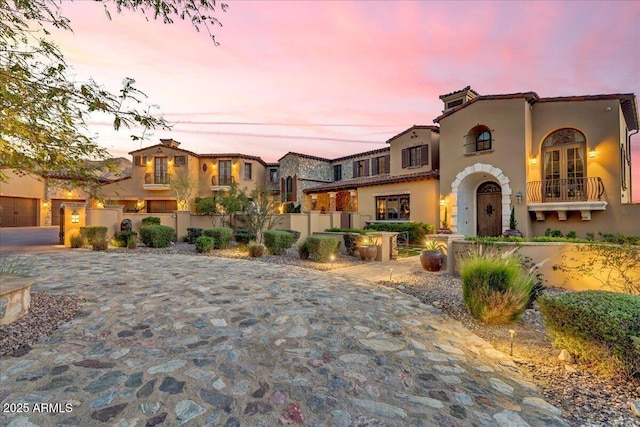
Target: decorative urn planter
{"type": "Point", "coordinates": [368, 252]}
{"type": "Point", "coordinates": [431, 256]}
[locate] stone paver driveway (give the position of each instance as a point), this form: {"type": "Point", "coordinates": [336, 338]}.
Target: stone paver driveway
{"type": "Point", "coordinates": [198, 341]}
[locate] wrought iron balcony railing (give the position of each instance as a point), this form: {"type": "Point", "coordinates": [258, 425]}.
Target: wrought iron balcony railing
{"type": "Point", "coordinates": [565, 190]}
{"type": "Point", "coordinates": [222, 180]}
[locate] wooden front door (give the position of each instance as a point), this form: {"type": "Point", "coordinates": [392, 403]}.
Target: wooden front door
{"type": "Point", "coordinates": [489, 209]}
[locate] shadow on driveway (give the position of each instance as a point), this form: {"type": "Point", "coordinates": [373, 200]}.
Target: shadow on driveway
{"type": "Point", "coordinates": [29, 239]}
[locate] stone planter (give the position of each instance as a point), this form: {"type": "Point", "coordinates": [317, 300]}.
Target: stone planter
{"type": "Point", "coordinates": [368, 252]}
{"type": "Point", "coordinates": [431, 260]}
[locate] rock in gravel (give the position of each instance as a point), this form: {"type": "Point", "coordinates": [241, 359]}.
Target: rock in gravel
{"type": "Point", "coordinates": [565, 356]}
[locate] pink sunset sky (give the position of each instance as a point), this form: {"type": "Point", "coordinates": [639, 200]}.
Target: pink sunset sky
{"type": "Point", "coordinates": [333, 78]}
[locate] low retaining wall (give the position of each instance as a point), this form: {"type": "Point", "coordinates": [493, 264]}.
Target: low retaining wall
{"type": "Point", "coordinates": [546, 256]}
{"type": "Point", "coordinates": [15, 297]}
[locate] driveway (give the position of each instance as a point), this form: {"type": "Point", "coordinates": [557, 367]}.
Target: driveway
{"type": "Point", "coordinates": [29, 239]}
{"type": "Point", "coordinates": [205, 341]}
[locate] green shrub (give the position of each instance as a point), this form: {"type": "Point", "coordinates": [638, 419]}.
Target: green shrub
{"type": "Point", "coordinates": [291, 207]}
{"type": "Point", "coordinates": [572, 235]}
{"type": "Point", "coordinates": [322, 247]}
{"type": "Point", "coordinates": [600, 327]}
{"type": "Point", "coordinates": [100, 245]}
{"type": "Point", "coordinates": [121, 238]}
{"type": "Point", "coordinates": [417, 230]}
{"type": "Point", "coordinates": [193, 234]}
{"type": "Point", "coordinates": [303, 250]}
{"type": "Point", "coordinates": [77, 241]}
{"type": "Point", "coordinates": [553, 233]}
{"type": "Point", "coordinates": [350, 242]}
{"type": "Point", "coordinates": [296, 235]}
{"type": "Point", "coordinates": [256, 250]}
{"type": "Point", "coordinates": [244, 236]}
{"type": "Point", "coordinates": [277, 241]}
{"type": "Point", "coordinates": [221, 236]}
{"type": "Point", "coordinates": [620, 238]}
{"type": "Point", "coordinates": [495, 289]}
{"type": "Point", "coordinates": [204, 244]}
{"type": "Point", "coordinates": [206, 205]}
{"type": "Point", "coordinates": [132, 242]}
{"type": "Point", "coordinates": [345, 230]}
{"type": "Point", "coordinates": [156, 236]}
{"type": "Point", "coordinates": [93, 233]}
{"type": "Point", "coordinates": [150, 220]}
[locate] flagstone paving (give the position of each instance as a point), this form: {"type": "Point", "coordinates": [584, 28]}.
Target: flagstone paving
{"type": "Point", "coordinates": [202, 341]}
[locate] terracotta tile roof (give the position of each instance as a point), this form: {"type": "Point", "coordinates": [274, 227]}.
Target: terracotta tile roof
{"type": "Point", "coordinates": [167, 147]}
{"type": "Point", "coordinates": [304, 156]}
{"type": "Point", "coordinates": [414, 127]}
{"type": "Point", "coordinates": [366, 153]}
{"type": "Point", "coordinates": [460, 91]}
{"type": "Point", "coordinates": [369, 181]}
{"type": "Point", "coordinates": [531, 97]}
{"type": "Point", "coordinates": [628, 103]}
{"type": "Point", "coordinates": [232, 156]}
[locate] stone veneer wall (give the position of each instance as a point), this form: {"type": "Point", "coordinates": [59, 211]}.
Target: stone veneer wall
{"type": "Point", "coordinates": [304, 168]}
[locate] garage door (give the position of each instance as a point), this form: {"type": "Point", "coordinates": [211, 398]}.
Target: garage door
{"type": "Point", "coordinates": [18, 212]}
{"type": "Point", "coordinates": [55, 209]}
{"type": "Point", "coordinates": [161, 206]}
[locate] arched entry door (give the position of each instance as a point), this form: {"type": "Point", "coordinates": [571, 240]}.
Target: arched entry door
{"type": "Point", "coordinates": [489, 209]}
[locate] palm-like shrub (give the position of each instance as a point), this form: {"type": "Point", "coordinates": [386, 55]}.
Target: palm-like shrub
{"type": "Point", "coordinates": [495, 288]}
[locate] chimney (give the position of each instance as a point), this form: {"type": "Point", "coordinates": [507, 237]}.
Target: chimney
{"type": "Point", "coordinates": [170, 142]}
{"type": "Point", "coordinates": [459, 97]}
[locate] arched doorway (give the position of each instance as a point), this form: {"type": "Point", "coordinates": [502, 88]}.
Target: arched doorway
{"type": "Point", "coordinates": [489, 209]}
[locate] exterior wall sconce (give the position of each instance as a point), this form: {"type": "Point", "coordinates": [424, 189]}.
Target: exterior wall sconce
{"type": "Point", "coordinates": [442, 202]}
{"type": "Point", "coordinates": [75, 217]}
{"type": "Point", "coordinates": [69, 193]}
{"type": "Point", "coordinates": [533, 161]}
{"type": "Point", "coordinates": [592, 153]}
{"type": "Point", "coordinates": [519, 197]}
{"type": "Point", "coordinates": [45, 203]}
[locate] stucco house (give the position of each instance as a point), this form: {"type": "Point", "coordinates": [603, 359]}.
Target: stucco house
{"type": "Point", "coordinates": [561, 163]}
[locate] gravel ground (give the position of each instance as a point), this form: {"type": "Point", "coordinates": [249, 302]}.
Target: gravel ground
{"type": "Point", "coordinates": [587, 399]}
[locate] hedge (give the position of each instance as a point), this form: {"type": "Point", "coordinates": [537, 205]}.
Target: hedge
{"type": "Point", "coordinates": [417, 230]}
{"type": "Point", "coordinates": [120, 238]}
{"type": "Point", "coordinates": [150, 220]}
{"type": "Point", "coordinates": [193, 234]}
{"type": "Point", "coordinates": [277, 241]}
{"type": "Point", "coordinates": [601, 327]}
{"type": "Point", "coordinates": [204, 244]}
{"type": "Point", "coordinates": [221, 236]}
{"type": "Point", "coordinates": [243, 236]}
{"type": "Point", "coordinates": [93, 234]}
{"type": "Point", "coordinates": [157, 236]}
{"type": "Point", "coordinates": [321, 247]}
{"type": "Point", "coordinates": [296, 235]}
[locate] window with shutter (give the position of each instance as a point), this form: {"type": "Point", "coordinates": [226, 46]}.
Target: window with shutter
{"type": "Point", "coordinates": [355, 169]}
{"type": "Point", "coordinates": [424, 154]}
{"type": "Point", "coordinates": [366, 167]}
{"type": "Point", "coordinates": [405, 158]}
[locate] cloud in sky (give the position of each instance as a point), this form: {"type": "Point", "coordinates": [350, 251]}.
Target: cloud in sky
{"type": "Point", "coordinates": [372, 69]}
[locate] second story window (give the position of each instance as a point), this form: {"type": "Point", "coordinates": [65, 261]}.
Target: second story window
{"type": "Point", "coordinates": [361, 168]}
{"type": "Point", "coordinates": [415, 156]}
{"type": "Point", "coordinates": [478, 140]}
{"type": "Point", "coordinates": [140, 160]}
{"type": "Point", "coordinates": [337, 172]}
{"type": "Point", "coordinates": [247, 171]}
{"type": "Point", "coordinates": [273, 175]}
{"type": "Point", "coordinates": [380, 165]}
{"type": "Point", "coordinates": [224, 172]}
{"type": "Point", "coordinates": [179, 160]}
{"type": "Point", "coordinates": [161, 175]}
{"type": "Point", "coordinates": [483, 141]}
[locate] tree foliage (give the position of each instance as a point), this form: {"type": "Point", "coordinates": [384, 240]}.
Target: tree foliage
{"type": "Point", "coordinates": [231, 201]}
{"type": "Point", "coordinates": [183, 185]}
{"type": "Point", "coordinates": [44, 111]}
{"type": "Point", "coordinates": [261, 212]}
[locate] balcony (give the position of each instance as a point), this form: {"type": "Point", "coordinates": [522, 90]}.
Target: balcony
{"type": "Point", "coordinates": [562, 195]}
{"type": "Point", "coordinates": [221, 183]}
{"type": "Point", "coordinates": [156, 182]}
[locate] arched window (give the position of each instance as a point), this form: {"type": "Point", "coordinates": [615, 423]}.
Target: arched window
{"type": "Point", "coordinates": [478, 139]}
{"type": "Point", "coordinates": [564, 165]}
{"type": "Point", "coordinates": [289, 190]}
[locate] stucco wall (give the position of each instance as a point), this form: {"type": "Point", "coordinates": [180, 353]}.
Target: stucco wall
{"type": "Point", "coordinates": [424, 201]}
{"type": "Point", "coordinates": [414, 138]}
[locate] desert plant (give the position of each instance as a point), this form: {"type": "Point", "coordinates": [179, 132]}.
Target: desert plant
{"type": "Point", "coordinates": [602, 328]}
{"type": "Point", "coordinates": [445, 221]}
{"type": "Point", "coordinates": [150, 220]}
{"type": "Point", "coordinates": [221, 236]}
{"type": "Point", "coordinates": [350, 243]}
{"type": "Point", "coordinates": [193, 234]}
{"type": "Point", "coordinates": [157, 236]}
{"type": "Point", "coordinates": [204, 244]}
{"type": "Point", "coordinates": [322, 247]}
{"type": "Point", "coordinates": [256, 250]}
{"type": "Point", "coordinates": [132, 242]}
{"type": "Point", "coordinates": [513, 223]}
{"type": "Point", "coordinates": [100, 245]}
{"type": "Point", "coordinates": [93, 233]}
{"type": "Point", "coordinates": [495, 289]}
{"type": "Point", "coordinates": [434, 245]}
{"type": "Point", "coordinates": [77, 241]}
{"type": "Point", "coordinates": [277, 241]}
{"type": "Point", "coordinates": [553, 232]}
